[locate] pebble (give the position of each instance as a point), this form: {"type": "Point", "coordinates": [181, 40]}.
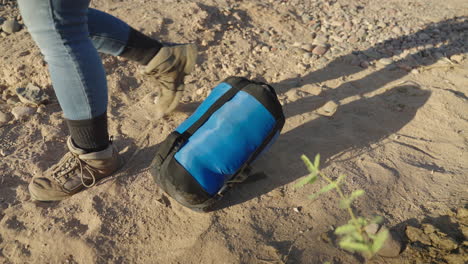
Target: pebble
{"type": "Point", "coordinates": [12, 101]}
{"type": "Point", "coordinates": [307, 47]}
{"type": "Point", "coordinates": [265, 49]}
{"type": "Point", "coordinates": [4, 153]}
{"type": "Point", "coordinates": [320, 40]}
{"type": "Point", "coordinates": [319, 50]}
{"type": "Point", "coordinates": [11, 26]}
{"type": "Point", "coordinates": [20, 112]}
{"type": "Point", "coordinates": [391, 247]}
{"type": "Point", "coordinates": [364, 64]}
{"type": "Point", "coordinates": [307, 56]}
{"type": "Point", "coordinates": [328, 109]}
{"type": "Point", "coordinates": [458, 58]}
{"type": "Point", "coordinates": [372, 229]}
{"type": "Point", "coordinates": [297, 44]}
{"type": "Point", "coordinates": [462, 213]}
{"type": "Point", "coordinates": [415, 71]}
{"type": "Point", "coordinates": [415, 234]}
{"type": "Point", "coordinates": [31, 94]}
{"type": "Point", "coordinates": [386, 61]}
{"type": "Point", "coordinates": [396, 30]}
{"type": "Point", "coordinates": [4, 118]}
{"type": "Point", "coordinates": [312, 89]}
{"type": "Point", "coordinates": [423, 36]}
{"type": "Point", "coordinates": [199, 91]}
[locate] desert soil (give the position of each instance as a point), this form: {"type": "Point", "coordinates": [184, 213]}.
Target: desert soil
{"type": "Point", "coordinates": [378, 88]}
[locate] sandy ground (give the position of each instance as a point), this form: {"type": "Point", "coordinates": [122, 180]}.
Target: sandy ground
{"type": "Point", "coordinates": [397, 69]}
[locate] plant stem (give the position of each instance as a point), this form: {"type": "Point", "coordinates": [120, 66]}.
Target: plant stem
{"type": "Point", "coordinates": [341, 194]}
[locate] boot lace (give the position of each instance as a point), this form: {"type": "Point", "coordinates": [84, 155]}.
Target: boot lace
{"type": "Point", "coordinates": [69, 164]}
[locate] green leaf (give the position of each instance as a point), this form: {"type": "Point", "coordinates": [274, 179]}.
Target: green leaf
{"type": "Point", "coordinates": [345, 229]}
{"type": "Point", "coordinates": [345, 203]}
{"type": "Point", "coordinates": [306, 180]}
{"type": "Point", "coordinates": [357, 237]}
{"type": "Point", "coordinates": [308, 164]}
{"type": "Point", "coordinates": [317, 161]}
{"type": "Point", "coordinates": [325, 189]}
{"type": "Point", "coordinates": [357, 193]}
{"type": "Point", "coordinates": [361, 221]}
{"type": "Point", "coordinates": [354, 246]}
{"type": "Point", "coordinates": [340, 178]}
{"type": "Point", "coordinates": [379, 240]}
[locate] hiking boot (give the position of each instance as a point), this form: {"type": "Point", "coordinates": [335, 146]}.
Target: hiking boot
{"type": "Point", "coordinates": [169, 67]}
{"type": "Point", "coordinates": [74, 172]}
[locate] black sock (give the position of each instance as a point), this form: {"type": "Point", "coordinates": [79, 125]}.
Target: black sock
{"type": "Point", "coordinates": [140, 48]}
{"type": "Point", "coordinates": [90, 135]}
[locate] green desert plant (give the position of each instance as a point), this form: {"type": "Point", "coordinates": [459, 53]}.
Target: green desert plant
{"type": "Point", "coordinates": [352, 236]}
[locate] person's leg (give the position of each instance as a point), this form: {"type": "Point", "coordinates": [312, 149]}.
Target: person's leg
{"type": "Point", "coordinates": [168, 64]}
{"type": "Point", "coordinates": [59, 27]}
{"type": "Point", "coordinates": [113, 36]}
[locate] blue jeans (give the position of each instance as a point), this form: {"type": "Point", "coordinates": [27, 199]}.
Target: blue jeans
{"type": "Point", "coordinates": [70, 35]}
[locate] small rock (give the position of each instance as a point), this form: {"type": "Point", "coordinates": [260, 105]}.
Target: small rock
{"type": "Point", "coordinates": [319, 50]}
{"type": "Point", "coordinates": [372, 229]}
{"type": "Point", "coordinates": [11, 26]}
{"type": "Point", "coordinates": [297, 209]}
{"type": "Point", "coordinates": [307, 56]}
{"type": "Point", "coordinates": [364, 64]}
{"type": "Point", "coordinates": [20, 112]}
{"type": "Point", "coordinates": [348, 25]}
{"type": "Point", "coordinates": [397, 30]}
{"type": "Point", "coordinates": [265, 49]}
{"type": "Point", "coordinates": [423, 36]}
{"type": "Point", "coordinates": [455, 259]}
{"type": "Point", "coordinates": [312, 89]}
{"type": "Point", "coordinates": [385, 61]}
{"type": "Point", "coordinates": [320, 40]}
{"type": "Point", "coordinates": [307, 47]}
{"type": "Point", "coordinates": [199, 91]}
{"type": "Point", "coordinates": [417, 235]}
{"type": "Point", "coordinates": [4, 118]}
{"type": "Point", "coordinates": [12, 101]}
{"type": "Point", "coordinates": [415, 71]}
{"type": "Point", "coordinates": [428, 228]}
{"type": "Point", "coordinates": [328, 109]}
{"type": "Point", "coordinates": [297, 44]}
{"type": "Point", "coordinates": [445, 243]}
{"type": "Point", "coordinates": [31, 95]}
{"type": "Point", "coordinates": [464, 230]}
{"type": "Point", "coordinates": [4, 153]}
{"type": "Point", "coordinates": [458, 58]}
{"type": "Point", "coordinates": [462, 213]}
{"type": "Point", "coordinates": [391, 247]}
{"type": "Point", "coordinates": [325, 237]}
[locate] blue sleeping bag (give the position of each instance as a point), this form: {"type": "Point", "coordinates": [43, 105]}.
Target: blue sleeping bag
{"type": "Point", "coordinates": [212, 148]}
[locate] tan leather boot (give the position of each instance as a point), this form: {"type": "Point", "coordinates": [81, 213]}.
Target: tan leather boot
{"type": "Point", "coordinates": [74, 172]}
{"type": "Point", "coordinates": [169, 67]}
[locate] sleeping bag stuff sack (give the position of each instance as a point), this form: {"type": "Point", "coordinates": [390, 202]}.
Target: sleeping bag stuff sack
{"type": "Point", "coordinates": [210, 150]}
